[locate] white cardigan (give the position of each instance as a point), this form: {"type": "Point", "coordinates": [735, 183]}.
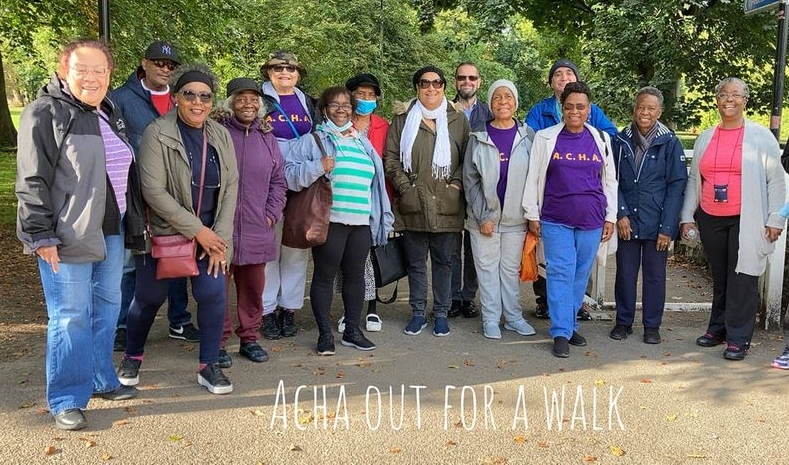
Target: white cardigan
{"type": "Point", "coordinates": [541, 151]}
{"type": "Point", "coordinates": [763, 194]}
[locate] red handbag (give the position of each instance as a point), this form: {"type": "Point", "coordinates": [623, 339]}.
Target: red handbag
{"type": "Point", "coordinates": [176, 255]}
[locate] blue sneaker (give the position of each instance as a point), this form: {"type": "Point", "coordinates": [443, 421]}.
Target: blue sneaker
{"type": "Point", "coordinates": [441, 327]}
{"type": "Point", "coordinates": [782, 361]}
{"type": "Point", "coordinates": [416, 325]}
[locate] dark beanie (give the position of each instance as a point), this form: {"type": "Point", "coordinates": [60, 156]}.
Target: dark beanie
{"type": "Point", "coordinates": [563, 63]}
{"type": "Point", "coordinates": [428, 69]}
{"type": "Point", "coordinates": [193, 76]}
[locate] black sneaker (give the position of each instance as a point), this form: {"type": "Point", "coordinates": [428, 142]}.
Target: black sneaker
{"type": "Point", "coordinates": [326, 344]}
{"type": "Point", "coordinates": [651, 336]}
{"type": "Point", "coordinates": [187, 333]}
{"type": "Point", "coordinates": [561, 347]}
{"type": "Point", "coordinates": [541, 311]}
{"type": "Point", "coordinates": [469, 309]}
{"type": "Point", "coordinates": [129, 371]}
{"type": "Point", "coordinates": [357, 339]}
{"type": "Point", "coordinates": [271, 329]}
{"type": "Point", "coordinates": [577, 340]}
{"type": "Point", "coordinates": [289, 328]}
{"type": "Point", "coordinates": [224, 360]}
{"type": "Point", "coordinates": [253, 352]}
{"type": "Point", "coordinates": [214, 380]}
{"type": "Point", "coordinates": [735, 352]}
{"type": "Point", "coordinates": [583, 315]}
{"type": "Point", "coordinates": [456, 309]}
{"type": "Point", "coordinates": [620, 332]}
{"type": "Point", "coordinates": [120, 340]}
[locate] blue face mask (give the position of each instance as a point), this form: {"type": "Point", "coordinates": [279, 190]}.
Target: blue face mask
{"type": "Point", "coordinates": [330, 124]}
{"type": "Point", "coordinates": [365, 107]}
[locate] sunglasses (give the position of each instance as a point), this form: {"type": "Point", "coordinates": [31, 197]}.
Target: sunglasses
{"type": "Point", "coordinates": [281, 68]}
{"type": "Point", "coordinates": [164, 64]}
{"type": "Point", "coordinates": [205, 97]}
{"type": "Point", "coordinates": [436, 83]}
{"type": "Point", "coordinates": [466, 78]}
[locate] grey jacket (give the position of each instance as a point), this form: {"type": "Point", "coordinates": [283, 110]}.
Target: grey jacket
{"type": "Point", "coordinates": [167, 180]}
{"type": "Point", "coordinates": [481, 174]}
{"type": "Point", "coordinates": [763, 194]}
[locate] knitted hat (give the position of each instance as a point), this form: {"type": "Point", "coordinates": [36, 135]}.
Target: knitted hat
{"type": "Point", "coordinates": [503, 83]}
{"type": "Point", "coordinates": [563, 63]}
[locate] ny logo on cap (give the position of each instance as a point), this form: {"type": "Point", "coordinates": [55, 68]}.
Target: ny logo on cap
{"type": "Point", "coordinates": [166, 49]}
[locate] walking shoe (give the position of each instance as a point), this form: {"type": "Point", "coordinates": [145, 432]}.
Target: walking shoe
{"type": "Point", "coordinates": [521, 327]}
{"type": "Point", "coordinates": [416, 325]}
{"type": "Point", "coordinates": [456, 309]}
{"type": "Point", "coordinates": [253, 352]}
{"type": "Point", "coordinates": [357, 339]}
{"type": "Point", "coordinates": [561, 347]}
{"type": "Point", "coordinates": [782, 361]}
{"type": "Point", "coordinates": [224, 360]}
{"type": "Point", "coordinates": [71, 419]}
{"type": "Point", "coordinates": [214, 380]}
{"type": "Point", "coordinates": [469, 309]}
{"type": "Point", "coordinates": [491, 330]}
{"type": "Point", "coordinates": [187, 333]}
{"type": "Point", "coordinates": [341, 325]}
{"type": "Point", "coordinates": [128, 371]}
{"type": "Point", "coordinates": [735, 352]}
{"type": "Point", "coordinates": [441, 326]}
{"type": "Point", "coordinates": [620, 332]}
{"type": "Point", "coordinates": [326, 344]}
{"type": "Point", "coordinates": [583, 315]}
{"type": "Point", "coordinates": [541, 311]}
{"type": "Point", "coordinates": [271, 329]}
{"type": "Point", "coordinates": [577, 340]}
{"type": "Point", "coordinates": [120, 340]}
{"type": "Point", "coordinates": [119, 393]}
{"type": "Point", "coordinates": [289, 328]}
{"type": "Point", "coordinates": [373, 323]}
{"type": "Point", "coordinates": [710, 340]}
{"type": "Point", "coordinates": [651, 336]}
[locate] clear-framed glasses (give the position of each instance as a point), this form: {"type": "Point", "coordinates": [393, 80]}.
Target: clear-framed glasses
{"type": "Point", "coordinates": [205, 97]}
{"type": "Point", "coordinates": [334, 106]}
{"type": "Point", "coordinates": [727, 96]}
{"type": "Point", "coordinates": [83, 71]}
{"type": "Point", "coordinates": [436, 83]}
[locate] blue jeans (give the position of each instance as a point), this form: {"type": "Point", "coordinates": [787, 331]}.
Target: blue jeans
{"type": "Point", "coordinates": [178, 297]}
{"type": "Point", "coordinates": [441, 247]}
{"type": "Point", "coordinates": [569, 256]}
{"type": "Point", "coordinates": [208, 292]}
{"type": "Point", "coordinates": [83, 301]}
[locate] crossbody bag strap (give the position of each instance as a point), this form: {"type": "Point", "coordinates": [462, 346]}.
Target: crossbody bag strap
{"type": "Point", "coordinates": [287, 120]}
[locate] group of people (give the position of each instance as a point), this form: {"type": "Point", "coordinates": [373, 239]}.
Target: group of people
{"type": "Point", "coordinates": [463, 181]}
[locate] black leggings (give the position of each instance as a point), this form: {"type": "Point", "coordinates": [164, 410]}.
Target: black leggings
{"type": "Point", "coordinates": [346, 248]}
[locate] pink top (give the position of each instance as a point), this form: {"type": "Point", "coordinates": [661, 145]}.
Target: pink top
{"type": "Point", "coordinates": [721, 165]}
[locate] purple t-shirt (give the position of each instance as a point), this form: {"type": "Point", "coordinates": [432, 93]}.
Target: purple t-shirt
{"type": "Point", "coordinates": [503, 140]}
{"type": "Point", "coordinates": [293, 111]}
{"type": "Point", "coordinates": [573, 188]}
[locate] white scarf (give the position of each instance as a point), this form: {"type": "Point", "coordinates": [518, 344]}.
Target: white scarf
{"type": "Point", "coordinates": [442, 155]}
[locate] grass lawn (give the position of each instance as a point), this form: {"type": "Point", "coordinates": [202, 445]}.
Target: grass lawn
{"type": "Point", "coordinates": [7, 196]}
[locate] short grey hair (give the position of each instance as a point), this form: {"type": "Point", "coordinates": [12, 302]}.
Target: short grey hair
{"type": "Point", "coordinates": [649, 90]}
{"type": "Point", "coordinates": [733, 80]}
{"type": "Point", "coordinates": [227, 105]}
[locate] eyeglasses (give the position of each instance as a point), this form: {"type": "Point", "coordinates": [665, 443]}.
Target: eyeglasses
{"type": "Point", "coordinates": [83, 71]}
{"type": "Point", "coordinates": [436, 83]}
{"type": "Point", "coordinates": [334, 106]}
{"type": "Point", "coordinates": [727, 96]}
{"type": "Point", "coordinates": [466, 78]}
{"type": "Point", "coordinates": [577, 106]}
{"type": "Point", "coordinates": [205, 97]}
{"type": "Point", "coordinates": [281, 68]}
{"type": "Point", "coordinates": [164, 64]}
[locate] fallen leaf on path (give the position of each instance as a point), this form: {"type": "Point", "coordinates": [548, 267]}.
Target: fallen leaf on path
{"type": "Point", "coordinates": [646, 381]}
{"type": "Point", "coordinates": [542, 444]}
{"type": "Point", "coordinates": [671, 417]}
{"type": "Point", "coordinates": [319, 372]}
{"type": "Point", "coordinates": [258, 412]}
{"type": "Point", "coordinates": [519, 439]}
{"type": "Point", "coordinates": [501, 364]}
{"type": "Point", "coordinates": [27, 404]}
{"type": "Point", "coordinates": [618, 451]}
{"type": "Point", "coordinates": [451, 443]}
{"type": "Point", "coordinates": [49, 450]}
{"type": "Point", "coordinates": [295, 448]}
{"type": "Point", "coordinates": [89, 443]}
{"type": "Point", "coordinates": [120, 422]}
{"type": "Point", "coordinates": [590, 458]}
{"type": "Point", "coordinates": [106, 456]}
{"type": "Point", "coordinates": [468, 363]}
{"type": "Point", "coordinates": [340, 375]}
{"type": "Point", "coordinates": [494, 461]}
{"type": "Point", "coordinates": [276, 349]}
{"type": "Point", "coordinates": [599, 382]}
{"type": "Point", "coordinates": [175, 437]}
{"type": "Point", "coordinates": [452, 366]}
{"type": "Point", "coordinates": [395, 450]}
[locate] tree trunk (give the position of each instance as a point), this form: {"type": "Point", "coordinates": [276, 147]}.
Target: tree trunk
{"type": "Point", "coordinates": [7, 130]}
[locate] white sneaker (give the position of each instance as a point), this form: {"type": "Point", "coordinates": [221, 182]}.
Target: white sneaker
{"type": "Point", "coordinates": [341, 325]}
{"type": "Point", "coordinates": [491, 330]}
{"type": "Point", "coordinates": [521, 327]}
{"type": "Point", "coordinates": [373, 323]}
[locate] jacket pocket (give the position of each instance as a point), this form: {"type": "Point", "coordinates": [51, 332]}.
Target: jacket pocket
{"type": "Point", "coordinates": [452, 202]}
{"type": "Point", "coordinates": [409, 201]}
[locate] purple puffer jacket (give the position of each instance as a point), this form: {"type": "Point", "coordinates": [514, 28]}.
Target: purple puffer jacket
{"type": "Point", "coordinates": [261, 191]}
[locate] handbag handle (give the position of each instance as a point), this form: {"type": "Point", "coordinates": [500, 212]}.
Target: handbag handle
{"type": "Point", "coordinates": [200, 188]}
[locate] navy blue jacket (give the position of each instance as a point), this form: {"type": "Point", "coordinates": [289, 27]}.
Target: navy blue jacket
{"type": "Point", "coordinates": [543, 115]}
{"type": "Point", "coordinates": [650, 195]}
{"type": "Point", "coordinates": [136, 107]}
